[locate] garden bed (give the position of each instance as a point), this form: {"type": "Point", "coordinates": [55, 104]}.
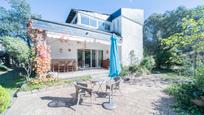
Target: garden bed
{"type": "Point", "coordinates": [30, 88]}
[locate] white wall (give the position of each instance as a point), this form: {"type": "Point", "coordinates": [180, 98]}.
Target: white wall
{"type": "Point", "coordinates": [132, 34]}
{"type": "Point", "coordinates": [55, 45]}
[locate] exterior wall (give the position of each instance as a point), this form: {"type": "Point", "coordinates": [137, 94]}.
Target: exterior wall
{"type": "Point", "coordinates": [132, 34]}
{"type": "Point", "coordinates": [116, 25]}
{"type": "Point", "coordinates": [56, 44]}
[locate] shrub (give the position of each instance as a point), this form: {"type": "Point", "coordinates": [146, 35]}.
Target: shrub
{"type": "Point", "coordinates": [133, 68]}
{"type": "Point", "coordinates": [148, 63]}
{"type": "Point", "coordinates": [137, 70]}
{"type": "Point", "coordinates": [124, 71]}
{"type": "Point", "coordinates": [4, 99]}
{"type": "Point", "coordinates": [200, 78]}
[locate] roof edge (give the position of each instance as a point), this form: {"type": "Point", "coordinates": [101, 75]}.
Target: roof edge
{"type": "Point", "coordinates": [73, 26]}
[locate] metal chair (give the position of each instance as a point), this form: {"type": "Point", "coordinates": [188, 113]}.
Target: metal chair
{"type": "Point", "coordinates": [114, 85]}
{"type": "Point", "coordinates": [81, 90]}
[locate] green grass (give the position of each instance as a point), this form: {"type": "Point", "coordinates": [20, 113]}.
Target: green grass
{"type": "Point", "coordinates": [33, 86]}
{"type": "Point", "coordinates": [11, 80]}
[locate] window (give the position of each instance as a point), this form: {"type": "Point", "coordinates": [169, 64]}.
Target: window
{"type": "Point", "coordinates": [107, 27]}
{"type": "Point", "coordinates": [75, 21]}
{"type": "Point", "coordinates": [100, 25]}
{"type": "Point", "coordinates": [93, 23]}
{"type": "Point", "coordinates": [85, 20]}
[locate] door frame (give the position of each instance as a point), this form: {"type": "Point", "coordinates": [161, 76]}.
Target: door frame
{"type": "Point", "coordinates": [96, 58]}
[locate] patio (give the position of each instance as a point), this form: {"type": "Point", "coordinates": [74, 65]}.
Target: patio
{"type": "Point", "coordinates": [144, 97]}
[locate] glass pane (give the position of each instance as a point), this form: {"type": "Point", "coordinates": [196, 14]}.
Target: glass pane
{"type": "Point", "coordinates": [93, 58]}
{"type": "Point", "coordinates": [87, 58]}
{"type": "Point", "coordinates": [100, 25]}
{"type": "Point", "coordinates": [107, 27]}
{"type": "Point", "coordinates": [100, 58]}
{"type": "Point", "coordinates": [93, 22]}
{"type": "Point", "coordinates": [85, 20]}
{"type": "Point", "coordinates": [75, 21]}
{"type": "Point", "coordinates": [80, 58]}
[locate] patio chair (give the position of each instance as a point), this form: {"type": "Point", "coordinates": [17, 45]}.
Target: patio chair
{"type": "Point", "coordinates": [70, 65]}
{"type": "Point", "coordinates": [61, 66]}
{"type": "Point", "coordinates": [114, 86]}
{"type": "Point", "coordinates": [81, 90]}
{"type": "Point", "coordinates": [55, 67]}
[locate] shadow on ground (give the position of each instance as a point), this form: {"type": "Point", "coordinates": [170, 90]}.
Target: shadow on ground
{"type": "Point", "coordinates": [60, 102]}
{"type": "Point", "coordinates": [163, 106]}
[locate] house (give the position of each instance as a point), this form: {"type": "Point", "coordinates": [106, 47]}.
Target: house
{"type": "Point", "coordinates": [85, 36]}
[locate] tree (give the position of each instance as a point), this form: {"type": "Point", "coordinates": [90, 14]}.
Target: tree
{"type": "Point", "coordinates": [22, 56]}
{"type": "Point", "coordinates": [14, 20]}
{"type": "Point", "coordinates": [161, 26]}
{"type": "Point", "coordinates": [189, 42]}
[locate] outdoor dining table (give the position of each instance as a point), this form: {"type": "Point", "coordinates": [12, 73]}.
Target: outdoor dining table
{"type": "Point", "coordinates": [99, 81]}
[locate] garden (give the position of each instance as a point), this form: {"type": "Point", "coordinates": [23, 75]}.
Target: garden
{"type": "Point", "coordinates": [173, 47]}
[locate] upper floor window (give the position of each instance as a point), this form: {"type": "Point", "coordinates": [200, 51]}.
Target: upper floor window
{"type": "Point", "coordinates": [100, 25]}
{"type": "Point", "coordinates": [107, 27]}
{"type": "Point", "coordinates": [97, 23]}
{"type": "Point", "coordinates": [85, 20]}
{"type": "Point", "coordinates": [75, 21]}
{"type": "Point", "coordinates": [93, 23]}
{"type": "Point", "coordinates": [103, 26]}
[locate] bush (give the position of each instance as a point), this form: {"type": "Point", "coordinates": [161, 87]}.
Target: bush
{"type": "Point", "coordinates": [184, 93]}
{"type": "Point", "coordinates": [124, 71]}
{"type": "Point", "coordinates": [148, 63]}
{"type": "Point", "coordinates": [4, 99]}
{"type": "Point", "coordinates": [200, 78]}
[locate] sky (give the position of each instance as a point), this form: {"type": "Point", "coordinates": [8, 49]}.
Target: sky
{"type": "Point", "coordinates": [57, 10]}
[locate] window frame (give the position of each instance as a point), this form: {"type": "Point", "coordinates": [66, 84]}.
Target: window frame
{"type": "Point", "coordinates": [82, 20]}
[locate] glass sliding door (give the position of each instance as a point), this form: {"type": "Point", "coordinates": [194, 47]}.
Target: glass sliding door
{"type": "Point", "coordinates": [93, 58]}
{"type": "Point", "coordinates": [100, 58]}
{"type": "Point", "coordinates": [80, 58]}
{"type": "Point", "coordinates": [87, 58]}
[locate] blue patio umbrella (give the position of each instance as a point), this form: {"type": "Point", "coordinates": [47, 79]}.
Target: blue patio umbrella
{"type": "Point", "coordinates": [115, 67]}
{"type": "Point", "coordinates": [114, 70]}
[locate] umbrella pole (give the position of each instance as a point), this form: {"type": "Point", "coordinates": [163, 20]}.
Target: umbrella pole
{"type": "Point", "coordinates": [110, 104]}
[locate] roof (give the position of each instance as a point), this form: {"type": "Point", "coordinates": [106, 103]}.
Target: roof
{"type": "Point", "coordinates": [70, 29]}
{"type": "Point", "coordinates": [73, 12]}
{"type": "Point", "coordinates": [115, 15]}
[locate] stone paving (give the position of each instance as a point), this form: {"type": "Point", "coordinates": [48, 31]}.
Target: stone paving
{"type": "Point", "coordinates": [143, 96]}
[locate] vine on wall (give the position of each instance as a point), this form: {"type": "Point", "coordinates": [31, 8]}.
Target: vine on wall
{"type": "Point", "coordinates": [43, 59]}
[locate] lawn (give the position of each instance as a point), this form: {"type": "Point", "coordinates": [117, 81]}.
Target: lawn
{"type": "Point", "coordinates": [11, 80]}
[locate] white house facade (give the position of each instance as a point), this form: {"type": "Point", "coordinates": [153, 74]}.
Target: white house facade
{"type": "Point", "coordinates": [85, 36]}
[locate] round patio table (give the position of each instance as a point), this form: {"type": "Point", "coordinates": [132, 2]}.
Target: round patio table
{"type": "Point", "coordinates": [99, 81]}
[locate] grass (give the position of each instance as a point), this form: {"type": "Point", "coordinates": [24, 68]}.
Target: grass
{"type": "Point", "coordinates": [32, 86]}
{"type": "Point", "coordinates": [11, 80]}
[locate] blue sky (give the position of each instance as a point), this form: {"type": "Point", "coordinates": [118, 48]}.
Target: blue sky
{"type": "Point", "coordinates": [57, 10]}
